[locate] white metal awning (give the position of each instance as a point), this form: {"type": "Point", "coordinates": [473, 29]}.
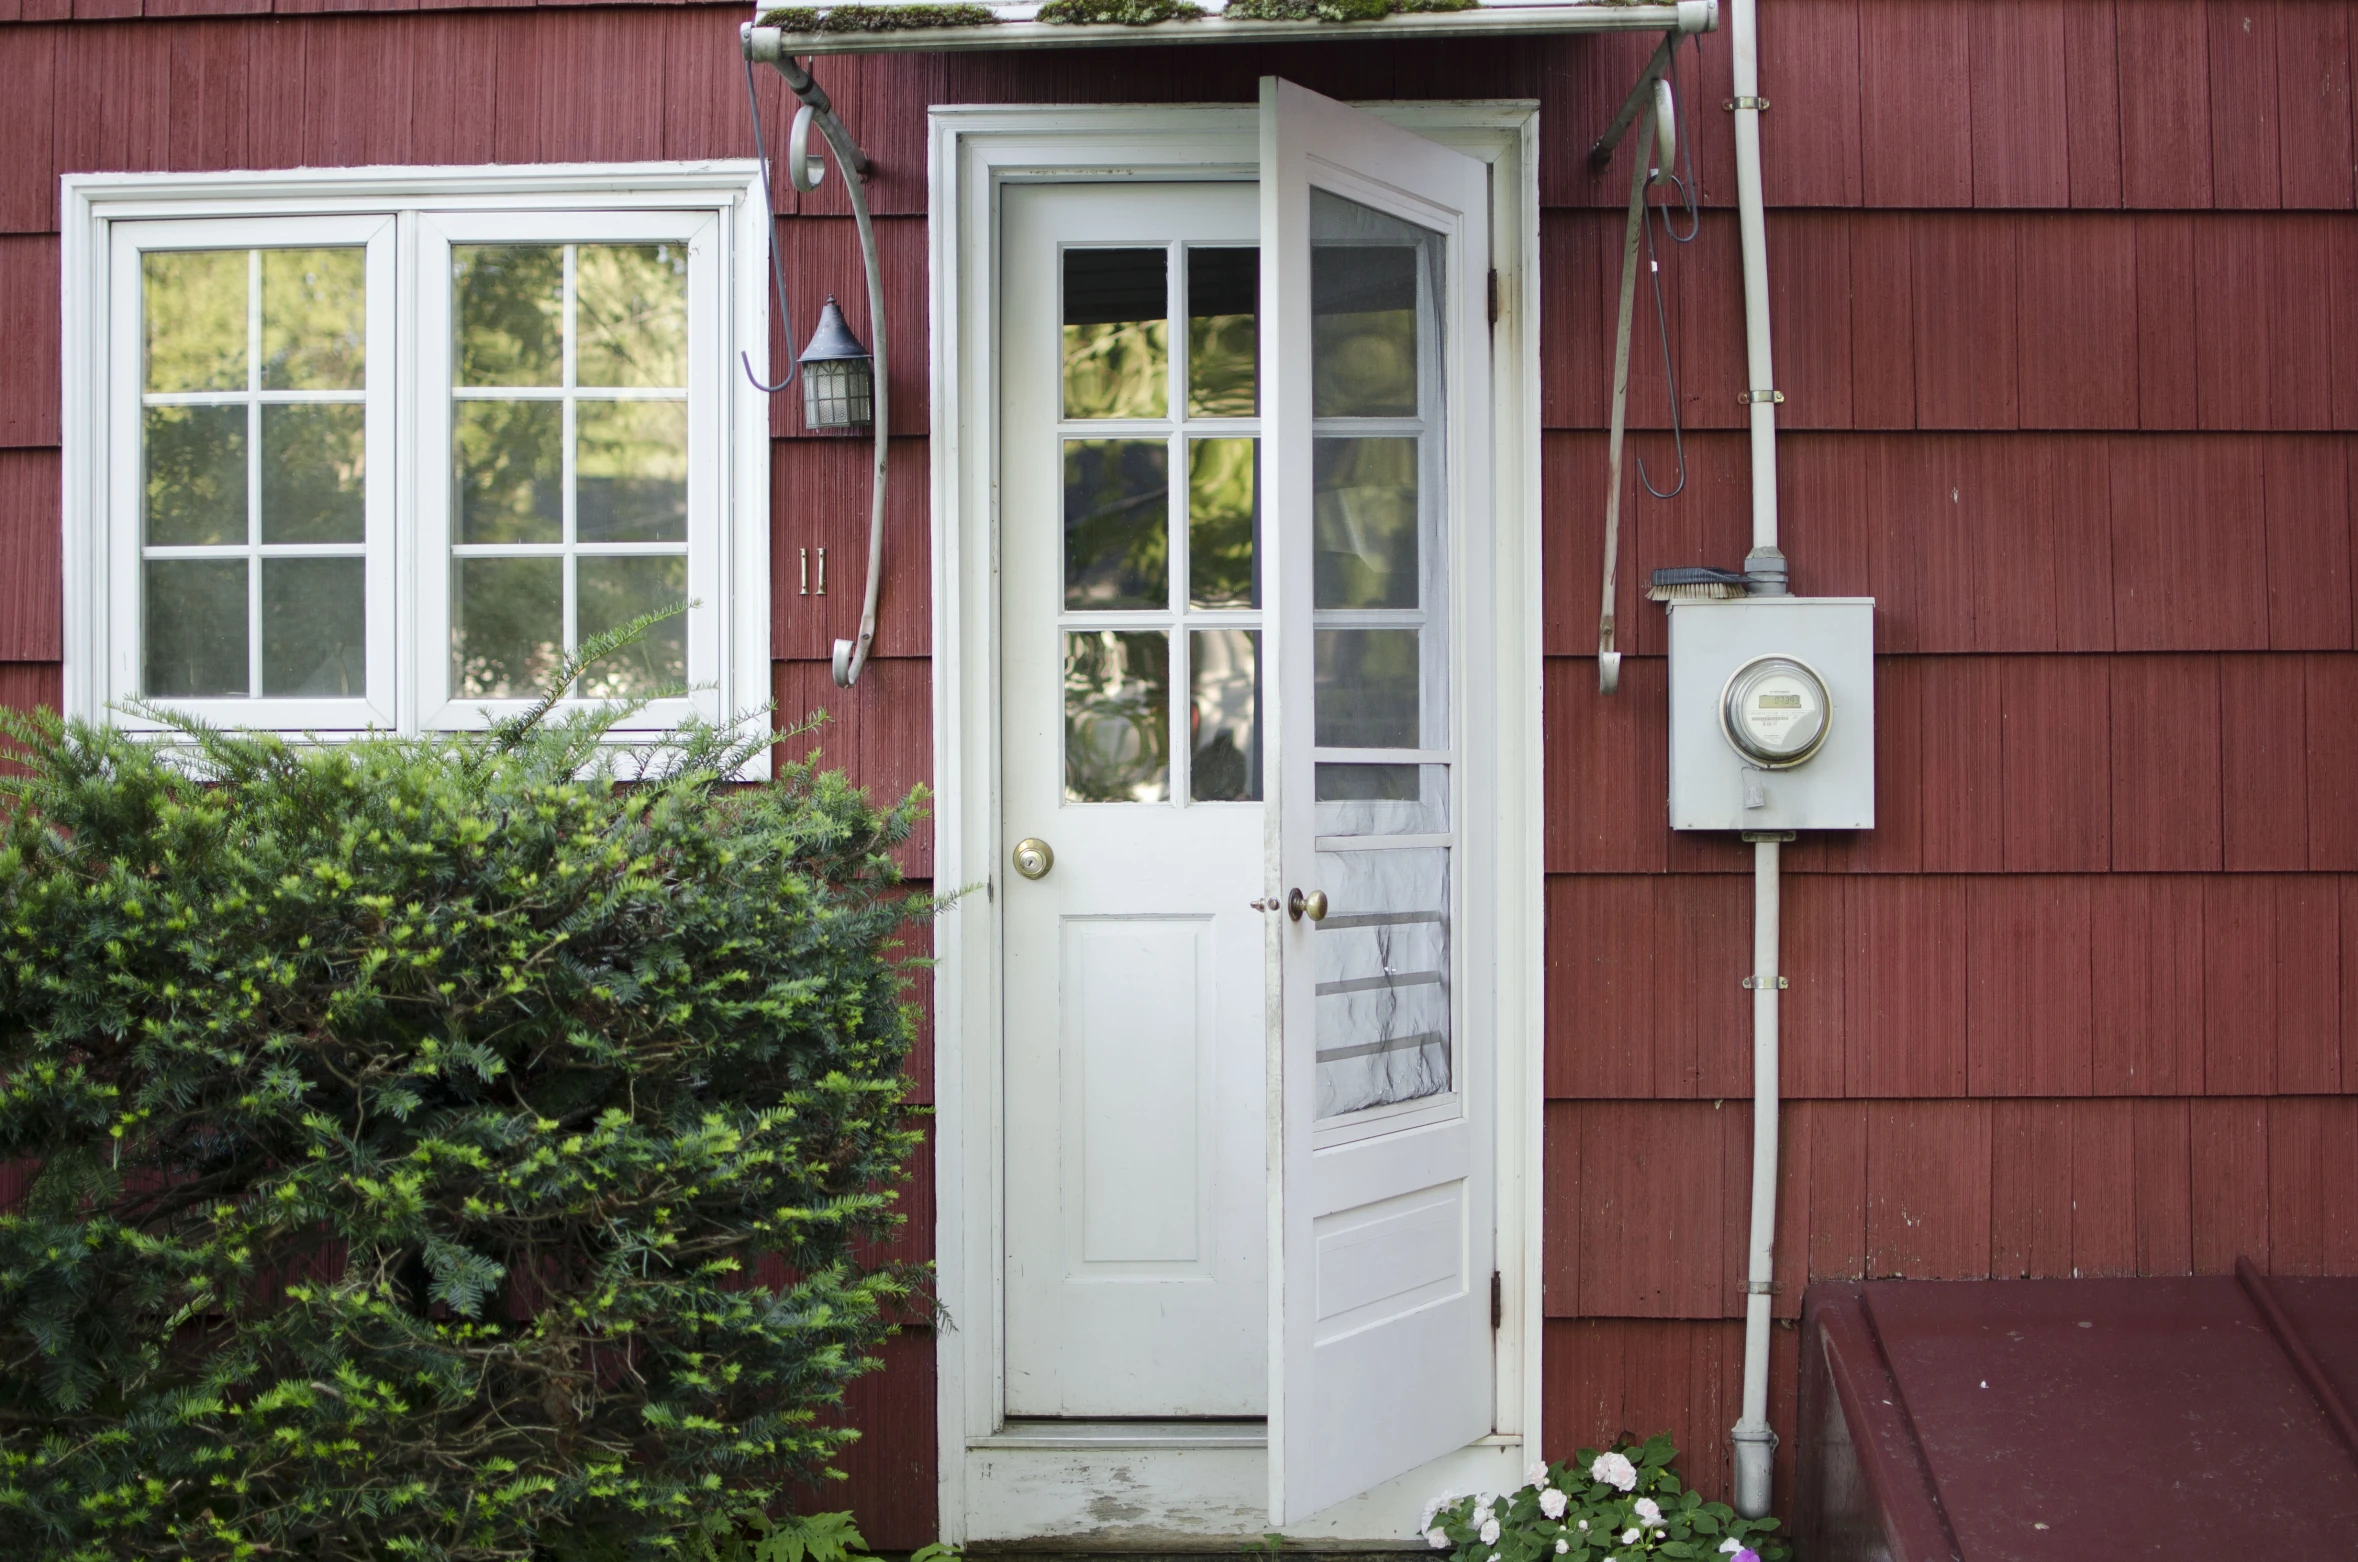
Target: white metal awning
{"type": "Point", "coordinates": [895, 26]}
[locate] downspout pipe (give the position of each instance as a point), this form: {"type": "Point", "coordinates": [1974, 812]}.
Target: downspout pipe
{"type": "Point", "coordinates": [1755, 1443]}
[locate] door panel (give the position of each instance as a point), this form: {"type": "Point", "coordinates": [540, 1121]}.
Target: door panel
{"type": "Point", "coordinates": [1135, 968]}
{"type": "Point", "coordinates": [1375, 378]}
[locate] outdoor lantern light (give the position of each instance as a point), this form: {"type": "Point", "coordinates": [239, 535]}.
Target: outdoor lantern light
{"type": "Point", "coordinates": [838, 383]}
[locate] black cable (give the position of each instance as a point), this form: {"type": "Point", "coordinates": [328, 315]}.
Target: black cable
{"type": "Point", "coordinates": [769, 234]}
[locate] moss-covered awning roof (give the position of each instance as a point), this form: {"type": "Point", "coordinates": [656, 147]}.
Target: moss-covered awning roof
{"type": "Point", "coordinates": [894, 25]}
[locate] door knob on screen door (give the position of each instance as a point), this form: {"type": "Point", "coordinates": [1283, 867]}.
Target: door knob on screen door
{"type": "Point", "coordinates": [1312, 905]}
{"type": "Point", "coordinates": [1033, 857]}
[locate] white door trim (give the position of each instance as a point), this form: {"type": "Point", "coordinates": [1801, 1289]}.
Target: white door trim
{"type": "Point", "coordinates": [986, 1492]}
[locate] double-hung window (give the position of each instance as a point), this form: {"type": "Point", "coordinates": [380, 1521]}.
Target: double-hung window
{"type": "Point", "coordinates": [379, 451]}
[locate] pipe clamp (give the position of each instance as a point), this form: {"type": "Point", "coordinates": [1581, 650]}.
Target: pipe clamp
{"type": "Point", "coordinates": [1756, 105]}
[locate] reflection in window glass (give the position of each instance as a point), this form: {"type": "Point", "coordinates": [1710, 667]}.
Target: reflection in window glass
{"type": "Point", "coordinates": [509, 313]}
{"type": "Point", "coordinates": [314, 319]}
{"type": "Point", "coordinates": [1363, 309]}
{"type": "Point", "coordinates": [195, 489]}
{"type": "Point", "coordinates": [1223, 523]}
{"type": "Point", "coordinates": [245, 348]}
{"type": "Point", "coordinates": [314, 633]}
{"type": "Point", "coordinates": [195, 629]}
{"type": "Point", "coordinates": [1364, 519]}
{"type": "Point", "coordinates": [1117, 544]}
{"type": "Point", "coordinates": [631, 471]}
{"type": "Point", "coordinates": [314, 460]}
{"type": "Point", "coordinates": [1117, 716]}
{"type": "Point", "coordinates": [1117, 355]}
{"type": "Point", "coordinates": [1368, 688]}
{"type": "Point", "coordinates": [507, 626]}
{"type": "Point", "coordinates": [613, 592]}
{"type": "Point", "coordinates": [194, 307]}
{"type": "Point", "coordinates": [1223, 331]}
{"type": "Point", "coordinates": [509, 470]}
{"type": "Point", "coordinates": [569, 439]}
{"type": "Point", "coordinates": [1224, 683]}
{"type": "Point", "coordinates": [631, 302]}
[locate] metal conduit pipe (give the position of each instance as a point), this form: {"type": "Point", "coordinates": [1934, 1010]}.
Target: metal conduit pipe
{"type": "Point", "coordinates": [850, 655]}
{"type": "Point", "coordinates": [1755, 1443]}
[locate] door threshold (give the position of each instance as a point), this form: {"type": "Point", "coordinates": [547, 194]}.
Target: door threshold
{"type": "Point", "coordinates": [1105, 1436]}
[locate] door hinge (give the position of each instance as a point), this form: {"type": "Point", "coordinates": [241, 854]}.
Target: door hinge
{"type": "Point", "coordinates": [1494, 297]}
{"type": "Point", "coordinates": [1497, 1300]}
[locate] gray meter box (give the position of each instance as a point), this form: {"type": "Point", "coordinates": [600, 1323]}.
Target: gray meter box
{"type": "Point", "coordinates": [1772, 714]}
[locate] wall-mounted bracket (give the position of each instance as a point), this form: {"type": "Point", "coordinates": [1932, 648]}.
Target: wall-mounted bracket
{"type": "Point", "coordinates": [1746, 398]}
{"type": "Point", "coordinates": [1736, 105]}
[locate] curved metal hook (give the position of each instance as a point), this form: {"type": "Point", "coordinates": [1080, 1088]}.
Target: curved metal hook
{"type": "Point", "coordinates": [1669, 375]}
{"type": "Point", "coordinates": [769, 208]}
{"type": "Point", "coordinates": [1686, 185]}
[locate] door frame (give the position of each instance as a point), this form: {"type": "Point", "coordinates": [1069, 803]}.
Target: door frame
{"type": "Point", "coordinates": [1001, 1485]}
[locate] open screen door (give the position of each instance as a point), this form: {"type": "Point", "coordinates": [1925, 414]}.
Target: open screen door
{"type": "Point", "coordinates": [1374, 269]}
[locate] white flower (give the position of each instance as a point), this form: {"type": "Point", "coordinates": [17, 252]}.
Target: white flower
{"type": "Point", "coordinates": [1553, 1503]}
{"type": "Point", "coordinates": [1437, 1540]}
{"type": "Point", "coordinates": [1537, 1474]}
{"type": "Point", "coordinates": [1435, 1506]}
{"type": "Point", "coordinates": [1730, 1546]}
{"type": "Point", "coordinates": [1494, 1557]}
{"type": "Point", "coordinates": [1490, 1532]}
{"type": "Point", "coordinates": [1562, 1546]}
{"type": "Point", "coordinates": [1630, 1536]}
{"type": "Point", "coordinates": [1584, 1523]}
{"type": "Point", "coordinates": [1615, 1471]}
{"type": "Point", "coordinates": [1648, 1511]}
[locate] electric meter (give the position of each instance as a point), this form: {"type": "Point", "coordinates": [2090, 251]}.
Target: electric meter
{"type": "Point", "coordinates": [1772, 714]}
{"type": "Point", "coordinates": [1776, 711]}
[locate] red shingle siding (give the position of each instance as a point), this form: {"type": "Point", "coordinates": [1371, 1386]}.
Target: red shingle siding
{"type": "Point", "coordinates": [2066, 313]}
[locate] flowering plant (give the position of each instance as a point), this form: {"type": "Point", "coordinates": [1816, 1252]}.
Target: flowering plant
{"type": "Point", "coordinates": [1617, 1506]}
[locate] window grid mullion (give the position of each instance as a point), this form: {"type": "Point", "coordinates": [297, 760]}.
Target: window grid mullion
{"type": "Point", "coordinates": [253, 474]}
{"type": "Point", "coordinates": [571, 628]}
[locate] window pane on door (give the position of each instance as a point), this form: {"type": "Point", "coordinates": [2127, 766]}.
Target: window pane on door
{"type": "Point", "coordinates": [1117, 716]}
{"type": "Point", "coordinates": [1117, 351]}
{"type": "Point", "coordinates": [1364, 326]}
{"type": "Point", "coordinates": [1223, 332]}
{"type": "Point", "coordinates": [1364, 522]}
{"type": "Point", "coordinates": [1224, 687]}
{"type": "Point", "coordinates": [1382, 957]}
{"type": "Point", "coordinates": [1117, 523]}
{"type": "Point", "coordinates": [1223, 523]}
{"type": "Point", "coordinates": [1370, 685]}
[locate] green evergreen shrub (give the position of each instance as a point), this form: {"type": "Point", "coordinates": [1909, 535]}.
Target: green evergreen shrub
{"type": "Point", "coordinates": [409, 1115]}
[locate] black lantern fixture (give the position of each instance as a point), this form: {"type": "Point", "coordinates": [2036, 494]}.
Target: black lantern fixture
{"type": "Point", "coordinates": [838, 381]}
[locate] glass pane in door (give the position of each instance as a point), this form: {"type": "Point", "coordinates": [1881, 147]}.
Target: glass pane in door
{"type": "Point", "coordinates": [1381, 724]}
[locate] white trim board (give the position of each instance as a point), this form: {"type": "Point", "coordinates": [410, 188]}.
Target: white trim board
{"type": "Point", "coordinates": [1146, 1489]}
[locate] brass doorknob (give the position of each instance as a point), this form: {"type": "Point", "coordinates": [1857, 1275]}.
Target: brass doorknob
{"type": "Point", "coordinates": [1034, 857]}
{"type": "Point", "coordinates": [1312, 905]}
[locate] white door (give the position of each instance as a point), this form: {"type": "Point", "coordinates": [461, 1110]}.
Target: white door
{"type": "Point", "coordinates": [1135, 967]}
{"type": "Point", "coordinates": [1374, 271]}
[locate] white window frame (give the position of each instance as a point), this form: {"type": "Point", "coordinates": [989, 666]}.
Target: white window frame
{"type": "Point", "coordinates": [408, 217]}
{"type": "Point", "coordinates": [1209, 1480]}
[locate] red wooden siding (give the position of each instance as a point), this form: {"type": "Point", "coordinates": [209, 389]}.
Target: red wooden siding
{"type": "Point", "coordinates": [2066, 316]}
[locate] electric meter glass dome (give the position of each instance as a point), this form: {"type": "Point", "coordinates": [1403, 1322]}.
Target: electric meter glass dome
{"type": "Point", "coordinates": [1776, 711]}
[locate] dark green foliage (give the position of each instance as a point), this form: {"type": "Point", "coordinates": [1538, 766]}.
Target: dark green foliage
{"type": "Point", "coordinates": [876, 18]}
{"type": "Point", "coordinates": [1335, 10]}
{"type": "Point", "coordinates": [1121, 13]}
{"type": "Point", "coordinates": [409, 1118]}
